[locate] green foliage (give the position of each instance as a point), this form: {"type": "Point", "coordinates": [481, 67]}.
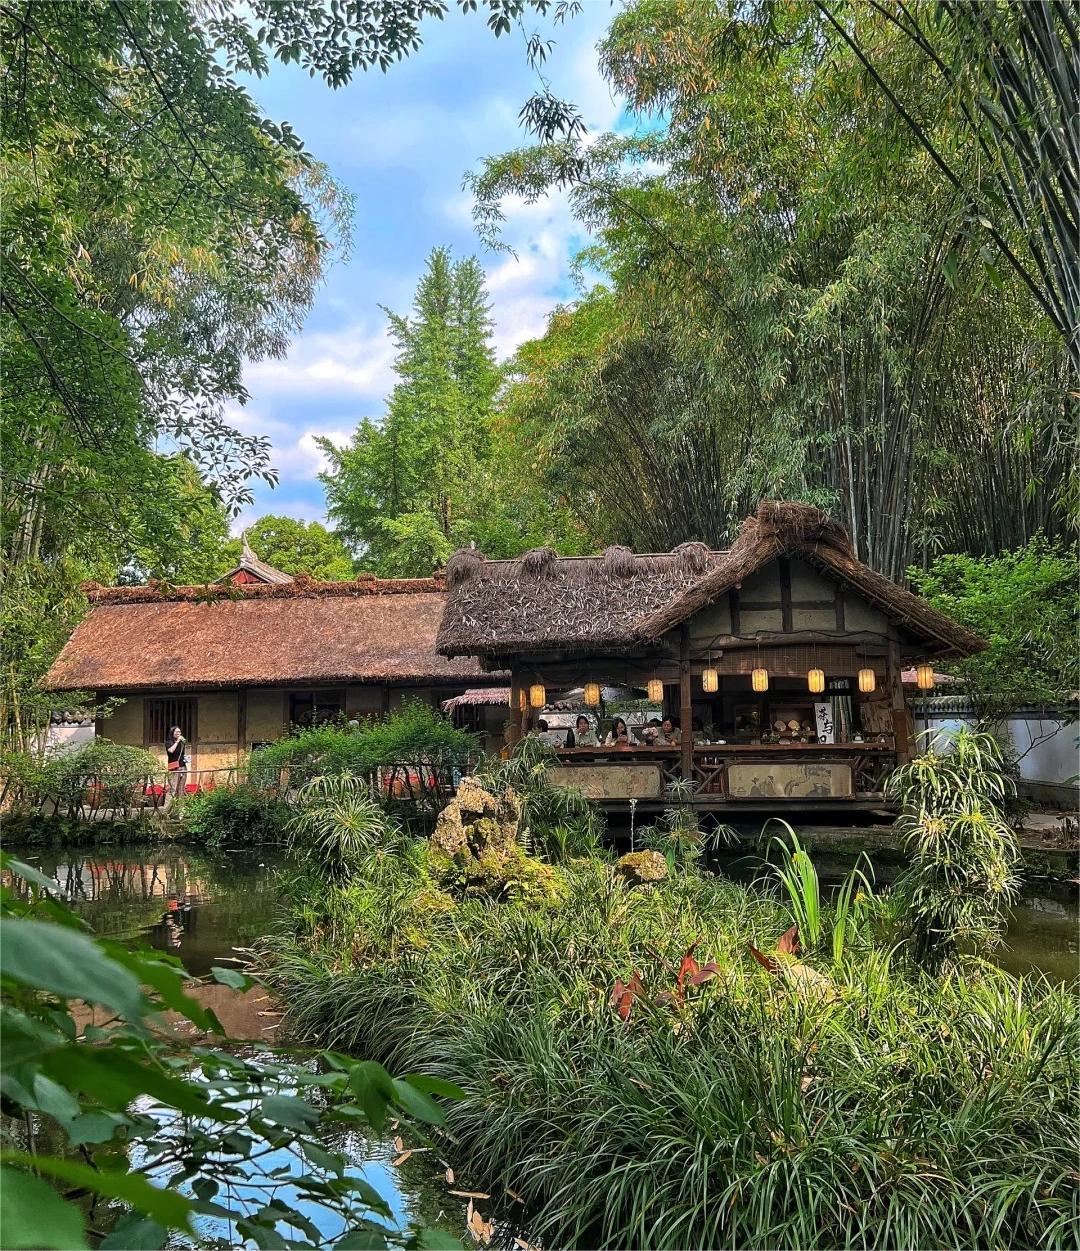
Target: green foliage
{"type": "Point", "coordinates": [413, 734]}
{"type": "Point", "coordinates": [121, 1113]}
{"type": "Point", "coordinates": [117, 769]}
{"type": "Point", "coordinates": [842, 924]}
{"type": "Point", "coordinates": [678, 835]}
{"type": "Point", "coordinates": [1024, 604]}
{"type": "Point", "coordinates": [338, 824]}
{"type": "Point", "coordinates": [796, 303]}
{"type": "Point", "coordinates": [557, 822]}
{"type": "Point", "coordinates": [296, 547]}
{"type": "Point", "coordinates": [888, 1109]}
{"type": "Point", "coordinates": [234, 816]}
{"type": "Point", "coordinates": [435, 473]}
{"type": "Point", "coordinates": [963, 854]}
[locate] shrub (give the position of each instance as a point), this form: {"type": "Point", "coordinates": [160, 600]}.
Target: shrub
{"type": "Point", "coordinates": [116, 770]}
{"type": "Point", "coordinates": [234, 816]}
{"type": "Point", "coordinates": [339, 824]}
{"type": "Point", "coordinates": [963, 854]}
{"type": "Point", "coordinates": [22, 780]}
{"type": "Point", "coordinates": [415, 734]}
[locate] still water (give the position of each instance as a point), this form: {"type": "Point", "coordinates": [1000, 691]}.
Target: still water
{"type": "Point", "coordinates": [204, 909]}
{"type": "Point", "coordinates": [207, 908]}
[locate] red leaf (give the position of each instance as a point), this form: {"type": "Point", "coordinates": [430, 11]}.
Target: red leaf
{"type": "Point", "coordinates": [789, 942]}
{"type": "Point", "coordinates": [766, 962]}
{"type": "Point", "coordinates": [705, 974]}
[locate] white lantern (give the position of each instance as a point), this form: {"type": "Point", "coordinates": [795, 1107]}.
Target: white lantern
{"type": "Point", "coordinates": [537, 695]}
{"type": "Point", "coordinates": [592, 694]}
{"type": "Point", "coordinates": [815, 680]}
{"type": "Point", "coordinates": [867, 681]}
{"type": "Point", "coordinates": [656, 691]}
{"type": "Point", "coordinates": [924, 677]}
{"type": "Point", "coordinates": [710, 680]}
{"type": "Point", "coordinates": [759, 680]}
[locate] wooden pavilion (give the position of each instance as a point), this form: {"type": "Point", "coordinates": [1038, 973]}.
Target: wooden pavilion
{"type": "Point", "coordinates": [780, 660]}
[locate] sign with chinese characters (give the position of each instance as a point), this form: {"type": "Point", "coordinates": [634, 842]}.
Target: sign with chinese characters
{"type": "Point", "coordinates": [823, 720]}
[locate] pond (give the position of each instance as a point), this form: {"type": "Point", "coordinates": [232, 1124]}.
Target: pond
{"type": "Point", "coordinates": [1042, 933]}
{"type": "Point", "coordinates": [202, 908]}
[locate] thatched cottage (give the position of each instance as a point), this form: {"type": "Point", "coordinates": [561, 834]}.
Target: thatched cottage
{"type": "Point", "coordinates": [780, 660]}
{"type": "Point", "coordinates": [234, 665]}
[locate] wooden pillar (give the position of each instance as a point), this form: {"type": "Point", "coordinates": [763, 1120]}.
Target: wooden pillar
{"type": "Point", "coordinates": [902, 728]}
{"type": "Point", "coordinates": [686, 707]}
{"type": "Point", "coordinates": [99, 720]}
{"type": "Point", "coordinates": [241, 723]}
{"type": "Point", "coordinates": [515, 732]}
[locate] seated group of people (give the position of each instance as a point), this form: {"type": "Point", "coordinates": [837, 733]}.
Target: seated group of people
{"type": "Point", "coordinates": [655, 733]}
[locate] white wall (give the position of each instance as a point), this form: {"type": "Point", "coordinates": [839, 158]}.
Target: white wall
{"type": "Point", "coordinates": [1047, 748]}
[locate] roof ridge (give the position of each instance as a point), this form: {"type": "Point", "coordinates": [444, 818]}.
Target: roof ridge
{"type": "Point", "coordinates": [299, 587]}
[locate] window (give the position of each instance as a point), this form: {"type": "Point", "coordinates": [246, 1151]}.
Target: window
{"type": "Point", "coordinates": [163, 714]}
{"type": "Point", "coordinates": [311, 707]}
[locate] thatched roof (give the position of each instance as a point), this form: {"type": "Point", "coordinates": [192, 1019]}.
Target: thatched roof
{"type": "Point", "coordinates": [478, 697]}
{"type": "Point", "coordinates": [205, 638]}
{"type": "Point", "coordinates": [618, 601]}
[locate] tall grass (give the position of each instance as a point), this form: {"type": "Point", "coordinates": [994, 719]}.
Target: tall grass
{"type": "Point", "coordinates": [895, 1110]}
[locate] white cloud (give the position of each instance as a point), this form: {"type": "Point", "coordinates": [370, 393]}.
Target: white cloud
{"type": "Point", "coordinates": [357, 360]}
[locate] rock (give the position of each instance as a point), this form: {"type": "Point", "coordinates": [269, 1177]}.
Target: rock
{"type": "Point", "coordinates": [476, 822]}
{"type": "Point", "coordinates": [641, 868]}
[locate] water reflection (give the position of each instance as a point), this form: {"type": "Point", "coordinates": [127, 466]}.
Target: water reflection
{"type": "Point", "coordinates": [194, 905]}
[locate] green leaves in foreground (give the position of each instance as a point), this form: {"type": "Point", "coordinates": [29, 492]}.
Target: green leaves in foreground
{"type": "Point", "coordinates": [201, 1122]}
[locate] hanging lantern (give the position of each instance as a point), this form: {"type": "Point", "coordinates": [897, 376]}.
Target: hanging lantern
{"type": "Point", "coordinates": [815, 680]}
{"type": "Point", "coordinates": [592, 694]}
{"type": "Point", "coordinates": [710, 680]}
{"type": "Point", "coordinates": [867, 681]}
{"type": "Point", "coordinates": [656, 691]}
{"type": "Point", "coordinates": [759, 680]}
{"type": "Point", "coordinates": [924, 677]}
{"type": "Point", "coordinates": [523, 701]}
{"type": "Point", "coordinates": [537, 695]}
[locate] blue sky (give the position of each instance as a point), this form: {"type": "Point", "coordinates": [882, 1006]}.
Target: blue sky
{"type": "Point", "coordinates": [401, 143]}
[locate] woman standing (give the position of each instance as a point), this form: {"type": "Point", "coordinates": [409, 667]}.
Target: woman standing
{"type": "Point", "coordinates": [177, 759]}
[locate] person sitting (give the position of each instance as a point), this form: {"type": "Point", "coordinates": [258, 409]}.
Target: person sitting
{"type": "Point", "coordinates": [668, 736]}
{"type": "Point", "coordinates": [618, 735]}
{"type": "Point", "coordinates": [650, 732]}
{"type": "Point", "coordinates": [582, 735]}
{"type": "Point", "coordinates": [552, 737]}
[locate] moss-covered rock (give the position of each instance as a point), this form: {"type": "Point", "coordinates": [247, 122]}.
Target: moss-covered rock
{"type": "Point", "coordinates": [475, 849]}
{"type": "Point", "coordinates": [641, 868]}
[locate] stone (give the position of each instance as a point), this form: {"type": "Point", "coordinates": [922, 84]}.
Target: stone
{"type": "Point", "coordinates": [641, 868]}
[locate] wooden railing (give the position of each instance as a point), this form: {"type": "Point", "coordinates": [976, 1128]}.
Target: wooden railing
{"type": "Point", "coordinates": [870, 763]}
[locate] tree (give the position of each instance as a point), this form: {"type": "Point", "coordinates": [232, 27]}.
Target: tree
{"type": "Point", "coordinates": [438, 472]}
{"type": "Point", "coordinates": [296, 547]}
{"type": "Point", "coordinates": [796, 304]}
{"type": "Point", "coordinates": [1023, 603]}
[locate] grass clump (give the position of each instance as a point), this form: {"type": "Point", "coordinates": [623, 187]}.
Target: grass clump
{"type": "Point", "coordinates": [641, 1081]}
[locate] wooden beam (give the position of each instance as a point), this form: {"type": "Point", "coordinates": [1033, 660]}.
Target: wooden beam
{"type": "Point", "coordinates": [686, 706]}
{"type": "Point", "coordinates": [902, 724]}
{"type": "Point", "coordinates": [733, 598]}
{"type": "Point", "coordinates": [786, 623]}
{"type": "Point", "coordinates": [241, 722]}
{"type": "Point", "coordinates": [840, 610]}
{"type": "Point", "coordinates": [515, 732]}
